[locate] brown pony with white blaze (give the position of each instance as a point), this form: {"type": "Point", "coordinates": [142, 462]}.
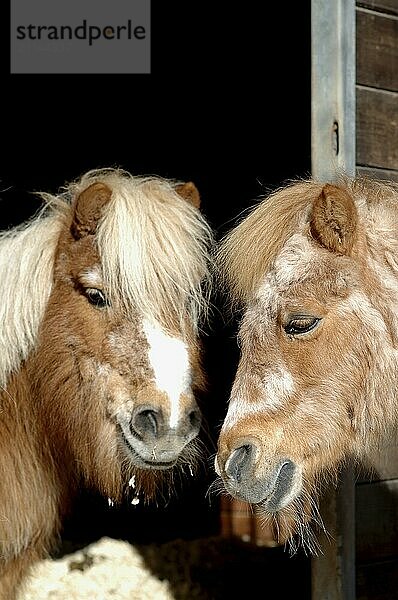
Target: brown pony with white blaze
{"type": "Point", "coordinates": [101, 300]}
{"type": "Point", "coordinates": [314, 269]}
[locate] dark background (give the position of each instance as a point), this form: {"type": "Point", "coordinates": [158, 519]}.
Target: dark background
{"type": "Point", "coordinates": [227, 105]}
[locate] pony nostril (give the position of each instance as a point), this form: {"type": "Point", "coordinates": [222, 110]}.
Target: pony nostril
{"type": "Point", "coordinates": [239, 462]}
{"type": "Point", "coordinates": [286, 475]}
{"type": "Point", "coordinates": [145, 422]}
{"type": "Point", "coordinates": [188, 427]}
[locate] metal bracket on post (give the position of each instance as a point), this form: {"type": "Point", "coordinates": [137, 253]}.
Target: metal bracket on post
{"type": "Point", "coordinates": [332, 88]}
{"type": "Point", "coordinates": [333, 153]}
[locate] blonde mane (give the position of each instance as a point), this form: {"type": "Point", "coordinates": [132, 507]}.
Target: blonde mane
{"type": "Point", "coordinates": [154, 248]}
{"type": "Point", "coordinates": [26, 267]}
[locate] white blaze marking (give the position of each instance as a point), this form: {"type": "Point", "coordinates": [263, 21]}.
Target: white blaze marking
{"type": "Point", "coordinates": [273, 391]}
{"type": "Point", "coordinates": [277, 387]}
{"type": "Point", "coordinates": [169, 359]}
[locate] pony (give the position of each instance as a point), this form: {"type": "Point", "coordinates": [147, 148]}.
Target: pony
{"type": "Point", "coordinates": [102, 299]}
{"type": "Point", "coordinates": [312, 273]}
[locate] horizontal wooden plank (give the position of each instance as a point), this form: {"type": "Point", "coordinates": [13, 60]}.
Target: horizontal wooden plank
{"type": "Point", "coordinates": [377, 581]}
{"type": "Point", "coordinates": [387, 174]}
{"type": "Point", "coordinates": [376, 522]}
{"type": "Point", "coordinates": [376, 50]}
{"type": "Point", "coordinates": [388, 6]}
{"type": "Point", "coordinates": [377, 128]}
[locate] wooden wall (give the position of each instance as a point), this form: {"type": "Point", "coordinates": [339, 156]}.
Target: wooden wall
{"type": "Point", "coordinates": [376, 497]}
{"type": "Point", "coordinates": [377, 87]}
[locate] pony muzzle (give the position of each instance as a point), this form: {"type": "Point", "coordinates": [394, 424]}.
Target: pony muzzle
{"type": "Point", "coordinates": [245, 479]}
{"type": "Point", "coordinates": [152, 442]}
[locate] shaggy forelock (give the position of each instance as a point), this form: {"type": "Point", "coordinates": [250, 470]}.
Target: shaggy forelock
{"type": "Point", "coordinates": [154, 248]}
{"type": "Point", "coordinates": [249, 249]}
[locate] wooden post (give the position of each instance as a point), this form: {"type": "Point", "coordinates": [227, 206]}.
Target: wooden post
{"type": "Point", "coordinates": [333, 572]}
{"type": "Point", "coordinates": [333, 152]}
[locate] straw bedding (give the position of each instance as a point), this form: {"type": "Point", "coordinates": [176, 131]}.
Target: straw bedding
{"type": "Point", "coordinates": [211, 568]}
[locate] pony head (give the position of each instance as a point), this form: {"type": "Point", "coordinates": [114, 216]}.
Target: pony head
{"type": "Point", "coordinates": [313, 270]}
{"type": "Point", "coordinates": [106, 323]}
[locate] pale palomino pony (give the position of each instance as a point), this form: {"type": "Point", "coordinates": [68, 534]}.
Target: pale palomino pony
{"type": "Point", "coordinates": [102, 296]}
{"type": "Point", "coordinates": [314, 270]}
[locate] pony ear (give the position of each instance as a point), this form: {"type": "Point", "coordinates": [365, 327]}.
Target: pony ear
{"type": "Point", "coordinates": [334, 219]}
{"type": "Point", "coordinates": [88, 209]}
{"type": "Point", "coordinates": [189, 192]}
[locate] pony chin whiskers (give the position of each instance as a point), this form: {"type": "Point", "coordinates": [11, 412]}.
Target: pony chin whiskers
{"type": "Point", "coordinates": [216, 488]}
{"type": "Point", "coordinates": [293, 527]}
{"type": "Point", "coordinates": [150, 485]}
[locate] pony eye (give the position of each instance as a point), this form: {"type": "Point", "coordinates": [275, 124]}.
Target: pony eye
{"type": "Point", "coordinates": [300, 324]}
{"type": "Point", "coordinates": [96, 297]}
